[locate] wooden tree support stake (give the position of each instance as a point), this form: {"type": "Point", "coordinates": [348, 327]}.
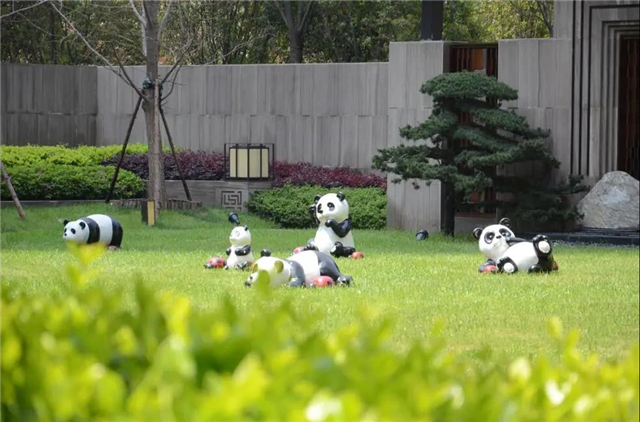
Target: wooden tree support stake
{"type": "Point", "coordinates": [14, 196]}
{"type": "Point", "coordinates": [173, 151]}
{"type": "Point", "coordinates": [124, 150]}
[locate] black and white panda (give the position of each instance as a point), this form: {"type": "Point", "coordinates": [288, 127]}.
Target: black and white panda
{"type": "Point", "coordinates": [299, 270]}
{"type": "Point", "coordinates": [239, 254]}
{"type": "Point", "coordinates": [96, 228]}
{"type": "Point", "coordinates": [508, 253]}
{"type": "Point", "coordinates": [331, 213]}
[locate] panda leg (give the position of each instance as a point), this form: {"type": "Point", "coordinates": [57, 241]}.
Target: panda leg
{"type": "Point", "coordinates": [311, 245]}
{"type": "Point", "coordinates": [116, 238]}
{"type": "Point", "coordinates": [535, 269]}
{"type": "Point", "coordinates": [329, 268]}
{"type": "Point", "coordinates": [337, 250]}
{"type": "Point", "coordinates": [507, 265]}
{"type": "Point", "coordinates": [544, 252]}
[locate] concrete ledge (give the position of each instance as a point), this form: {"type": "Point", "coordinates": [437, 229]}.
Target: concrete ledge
{"type": "Point", "coordinates": [5, 204]}
{"type": "Point", "coordinates": [232, 195]}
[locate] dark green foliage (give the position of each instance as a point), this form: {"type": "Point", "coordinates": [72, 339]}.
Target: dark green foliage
{"type": "Point", "coordinates": [59, 182]}
{"type": "Point", "coordinates": [82, 354]}
{"type": "Point", "coordinates": [287, 206]}
{"type": "Point", "coordinates": [471, 154]}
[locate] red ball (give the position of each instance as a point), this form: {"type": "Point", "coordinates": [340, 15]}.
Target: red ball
{"type": "Point", "coordinates": [489, 269]}
{"type": "Point", "coordinates": [357, 255]}
{"type": "Point", "coordinates": [298, 249]}
{"type": "Point", "coordinates": [322, 281]}
{"type": "Point", "coordinates": [215, 262]}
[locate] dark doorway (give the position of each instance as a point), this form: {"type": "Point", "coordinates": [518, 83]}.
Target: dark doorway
{"type": "Point", "coordinates": [628, 110]}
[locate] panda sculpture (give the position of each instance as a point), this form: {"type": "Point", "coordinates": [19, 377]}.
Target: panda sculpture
{"type": "Point", "coordinates": [239, 253]}
{"type": "Point", "coordinates": [331, 213]}
{"type": "Point", "coordinates": [299, 270]}
{"type": "Point", "coordinates": [508, 253]}
{"type": "Point", "coordinates": [96, 228]}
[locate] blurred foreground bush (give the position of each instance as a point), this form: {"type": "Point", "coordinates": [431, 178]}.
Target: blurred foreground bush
{"type": "Point", "coordinates": [81, 355]}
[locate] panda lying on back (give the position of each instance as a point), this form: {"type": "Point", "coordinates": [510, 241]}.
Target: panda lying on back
{"type": "Point", "coordinates": [509, 254]}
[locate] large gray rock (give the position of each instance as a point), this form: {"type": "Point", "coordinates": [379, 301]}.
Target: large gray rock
{"type": "Point", "coordinates": [612, 203]}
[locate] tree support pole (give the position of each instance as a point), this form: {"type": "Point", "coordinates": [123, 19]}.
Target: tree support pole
{"type": "Point", "coordinates": [124, 150]}
{"type": "Point", "coordinates": [14, 196]}
{"type": "Point", "coordinates": [173, 151]}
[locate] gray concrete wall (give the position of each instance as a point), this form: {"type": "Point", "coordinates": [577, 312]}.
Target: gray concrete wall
{"type": "Point", "coordinates": [48, 105]}
{"type": "Point", "coordinates": [412, 205]}
{"type": "Point", "coordinates": [326, 114]}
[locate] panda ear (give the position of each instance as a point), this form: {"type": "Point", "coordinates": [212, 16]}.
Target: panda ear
{"type": "Point", "coordinates": [477, 232]}
{"type": "Point", "coordinates": [505, 222]}
{"type": "Point", "coordinates": [341, 196]}
{"type": "Point", "coordinates": [65, 222]}
{"type": "Point", "coordinates": [246, 228]}
{"type": "Point", "coordinates": [265, 252]}
{"type": "Point", "coordinates": [317, 198]}
{"type": "Point", "coordinates": [279, 266]}
{"type": "Point", "coordinates": [83, 225]}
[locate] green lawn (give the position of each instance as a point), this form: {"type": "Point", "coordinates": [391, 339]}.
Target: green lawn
{"type": "Point", "coordinates": [416, 283]}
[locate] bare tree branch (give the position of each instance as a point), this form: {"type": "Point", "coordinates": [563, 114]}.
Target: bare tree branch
{"type": "Point", "coordinates": [135, 9]}
{"type": "Point", "coordinates": [177, 63]}
{"type": "Point", "coordinates": [302, 24]}
{"type": "Point", "coordinates": [173, 84]}
{"type": "Point", "coordinates": [126, 75]}
{"type": "Point", "coordinates": [164, 19]}
{"type": "Point", "coordinates": [23, 9]}
{"type": "Point", "coordinates": [143, 24]}
{"type": "Point", "coordinates": [281, 10]}
{"type": "Point", "coordinates": [93, 50]}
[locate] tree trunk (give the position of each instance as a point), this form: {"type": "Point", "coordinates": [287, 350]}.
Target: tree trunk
{"type": "Point", "coordinates": [448, 209]}
{"type": "Point", "coordinates": [296, 44]}
{"type": "Point", "coordinates": [156, 186]}
{"type": "Point", "coordinates": [14, 196]}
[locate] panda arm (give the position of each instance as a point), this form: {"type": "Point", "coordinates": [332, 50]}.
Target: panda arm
{"type": "Point", "coordinates": [341, 229]}
{"type": "Point", "coordinates": [228, 251]}
{"type": "Point", "coordinates": [514, 240]}
{"type": "Point", "coordinates": [243, 251]}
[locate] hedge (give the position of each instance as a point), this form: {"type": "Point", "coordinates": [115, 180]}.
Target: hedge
{"type": "Point", "coordinates": [195, 165]}
{"type": "Point", "coordinates": [82, 354]}
{"type": "Point", "coordinates": [60, 154]}
{"type": "Point", "coordinates": [58, 182]}
{"type": "Point", "coordinates": [288, 206]}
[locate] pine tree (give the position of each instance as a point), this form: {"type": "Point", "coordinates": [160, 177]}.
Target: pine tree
{"type": "Point", "coordinates": [471, 140]}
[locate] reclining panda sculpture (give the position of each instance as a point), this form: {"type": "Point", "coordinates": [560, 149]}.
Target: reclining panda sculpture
{"type": "Point", "coordinates": [299, 270]}
{"type": "Point", "coordinates": [96, 228]}
{"type": "Point", "coordinates": [508, 253]}
{"type": "Point", "coordinates": [331, 213]}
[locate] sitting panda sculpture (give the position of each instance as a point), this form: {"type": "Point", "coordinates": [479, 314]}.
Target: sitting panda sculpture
{"type": "Point", "coordinates": [299, 270]}
{"type": "Point", "coordinates": [331, 213]}
{"type": "Point", "coordinates": [239, 253]}
{"type": "Point", "coordinates": [508, 253]}
{"type": "Point", "coordinates": [96, 228]}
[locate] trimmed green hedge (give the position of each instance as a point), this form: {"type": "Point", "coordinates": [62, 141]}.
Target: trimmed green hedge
{"type": "Point", "coordinates": [60, 154]}
{"type": "Point", "coordinates": [83, 354]}
{"type": "Point", "coordinates": [288, 206]}
{"type": "Point", "coordinates": [58, 182]}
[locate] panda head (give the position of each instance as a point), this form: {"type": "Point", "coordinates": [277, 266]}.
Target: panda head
{"type": "Point", "coordinates": [240, 236]}
{"type": "Point", "coordinates": [493, 239]}
{"type": "Point", "coordinates": [269, 271]}
{"type": "Point", "coordinates": [76, 231]}
{"type": "Point", "coordinates": [332, 205]}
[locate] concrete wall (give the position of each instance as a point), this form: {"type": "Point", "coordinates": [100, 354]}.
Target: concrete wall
{"type": "Point", "coordinates": [326, 114]}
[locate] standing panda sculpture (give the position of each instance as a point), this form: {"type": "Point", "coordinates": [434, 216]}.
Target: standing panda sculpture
{"type": "Point", "coordinates": [96, 228]}
{"type": "Point", "coordinates": [508, 253]}
{"type": "Point", "coordinates": [239, 253]}
{"type": "Point", "coordinates": [331, 213]}
{"type": "Point", "coordinates": [301, 269]}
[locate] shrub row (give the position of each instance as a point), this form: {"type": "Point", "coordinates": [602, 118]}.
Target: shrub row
{"type": "Point", "coordinates": [85, 355]}
{"type": "Point", "coordinates": [60, 154]}
{"type": "Point", "coordinates": [288, 206]}
{"type": "Point", "coordinates": [210, 166]}
{"type": "Point", "coordinates": [59, 182]}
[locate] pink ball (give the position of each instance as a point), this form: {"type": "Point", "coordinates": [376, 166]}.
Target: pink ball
{"type": "Point", "coordinates": [215, 262]}
{"type": "Point", "coordinates": [322, 281]}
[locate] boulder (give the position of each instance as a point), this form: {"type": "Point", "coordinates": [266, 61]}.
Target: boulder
{"type": "Point", "coordinates": [612, 203]}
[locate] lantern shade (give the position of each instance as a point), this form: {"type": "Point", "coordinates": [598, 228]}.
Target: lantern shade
{"type": "Point", "coordinates": [249, 161]}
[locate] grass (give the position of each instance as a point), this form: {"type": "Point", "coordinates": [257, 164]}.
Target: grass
{"type": "Point", "coordinates": [415, 283]}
